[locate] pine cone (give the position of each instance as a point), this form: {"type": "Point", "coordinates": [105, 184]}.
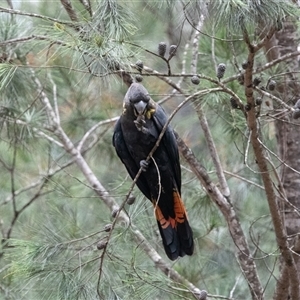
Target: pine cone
{"type": "Point", "coordinates": [203, 295]}
{"type": "Point", "coordinates": [272, 85]}
{"type": "Point", "coordinates": [131, 200]}
{"type": "Point", "coordinates": [241, 79]}
{"type": "Point", "coordinates": [139, 65]}
{"type": "Point", "coordinates": [245, 65]}
{"type": "Point", "coordinates": [256, 81]}
{"type": "Point", "coordinates": [172, 51]}
{"type": "Point", "coordinates": [258, 101]}
{"type": "Point", "coordinates": [114, 212]}
{"type": "Point", "coordinates": [102, 244]}
{"type": "Point", "coordinates": [138, 78]}
{"type": "Point", "coordinates": [221, 70]}
{"type": "Point", "coordinates": [234, 103]}
{"type": "Point", "coordinates": [107, 227]}
{"type": "Point", "coordinates": [162, 47]}
{"type": "Point", "coordinates": [248, 106]}
{"type": "Point", "coordinates": [195, 80]}
{"type": "Point", "coordinates": [297, 104]}
{"type": "Point", "coordinates": [296, 114]}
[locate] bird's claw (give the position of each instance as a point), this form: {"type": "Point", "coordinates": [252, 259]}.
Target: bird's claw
{"type": "Point", "coordinates": [140, 122]}
{"type": "Point", "coordinates": [144, 165]}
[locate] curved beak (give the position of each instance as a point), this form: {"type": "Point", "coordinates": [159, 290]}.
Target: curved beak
{"type": "Point", "coordinates": [140, 107]}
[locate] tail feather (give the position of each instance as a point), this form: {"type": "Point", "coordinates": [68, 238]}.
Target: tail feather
{"type": "Point", "coordinates": [176, 233]}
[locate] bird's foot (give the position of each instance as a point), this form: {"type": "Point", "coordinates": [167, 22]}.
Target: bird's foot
{"type": "Point", "coordinates": [144, 165]}
{"type": "Point", "coordinates": [140, 122]}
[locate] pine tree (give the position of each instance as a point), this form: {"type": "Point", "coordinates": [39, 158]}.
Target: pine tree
{"type": "Point", "coordinates": [73, 225]}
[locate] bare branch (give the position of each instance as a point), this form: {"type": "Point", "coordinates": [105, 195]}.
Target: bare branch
{"type": "Point", "coordinates": [213, 54]}
{"type": "Point", "coordinates": [278, 100]}
{"type": "Point", "coordinates": [213, 152]}
{"type": "Point", "coordinates": [69, 9]}
{"type": "Point", "coordinates": [279, 159]}
{"type": "Point", "coordinates": [244, 179]}
{"type": "Point", "coordinates": [92, 129]}
{"type": "Point", "coordinates": [9, 2]}
{"type": "Point", "coordinates": [203, 121]}
{"type": "Point", "coordinates": [54, 91]}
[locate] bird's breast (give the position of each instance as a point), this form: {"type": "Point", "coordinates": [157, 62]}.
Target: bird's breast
{"type": "Point", "coordinates": [139, 143]}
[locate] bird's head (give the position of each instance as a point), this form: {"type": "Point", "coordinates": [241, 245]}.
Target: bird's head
{"type": "Point", "coordinates": [137, 98]}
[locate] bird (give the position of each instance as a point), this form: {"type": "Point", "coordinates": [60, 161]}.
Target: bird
{"type": "Point", "coordinates": [135, 134]}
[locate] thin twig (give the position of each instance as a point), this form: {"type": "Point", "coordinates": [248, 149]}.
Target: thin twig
{"type": "Point", "coordinates": [244, 179]}
{"type": "Point", "coordinates": [92, 129]}
{"type": "Point", "coordinates": [213, 54]}
{"type": "Point", "coordinates": [54, 91]}
{"type": "Point", "coordinates": [278, 100]}
{"type": "Point", "coordinates": [203, 121]}
{"type": "Point", "coordinates": [277, 157]}
{"type": "Point", "coordinates": [69, 9]}
{"type": "Point", "coordinates": [46, 18]}
{"type": "Point", "coordinates": [158, 183]}
{"type": "Point", "coordinates": [206, 34]}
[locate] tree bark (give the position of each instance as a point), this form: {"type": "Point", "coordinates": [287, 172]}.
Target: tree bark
{"type": "Point", "coordinates": [288, 137]}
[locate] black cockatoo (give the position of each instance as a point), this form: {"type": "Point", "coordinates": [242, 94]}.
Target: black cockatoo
{"type": "Point", "coordinates": [135, 134]}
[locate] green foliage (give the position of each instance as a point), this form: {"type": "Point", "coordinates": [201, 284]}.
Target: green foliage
{"type": "Point", "coordinates": [56, 219]}
{"type": "Point", "coordinates": [12, 27]}
{"type": "Point", "coordinates": [66, 263]}
{"type": "Point", "coordinates": [6, 74]}
{"type": "Point", "coordinates": [237, 14]}
{"type": "Point", "coordinates": [115, 20]}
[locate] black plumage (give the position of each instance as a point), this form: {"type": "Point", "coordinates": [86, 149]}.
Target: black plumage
{"type": "Point", "coordinates": [135, 135]}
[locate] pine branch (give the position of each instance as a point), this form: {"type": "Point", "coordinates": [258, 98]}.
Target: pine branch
{"type": "Point", "coordinates": [163, 77]}
{"type": "Point", "coordinates": [166, 60]}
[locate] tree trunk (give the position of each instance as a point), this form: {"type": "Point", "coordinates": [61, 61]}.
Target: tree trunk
{"type": "Point", "coordinates": [288, 140]}
{"type": "Point", "coordinates": [288, 137]}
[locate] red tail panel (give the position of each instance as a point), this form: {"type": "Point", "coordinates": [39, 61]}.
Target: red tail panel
{"type": "Point", "coordinates": [175, 231]}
